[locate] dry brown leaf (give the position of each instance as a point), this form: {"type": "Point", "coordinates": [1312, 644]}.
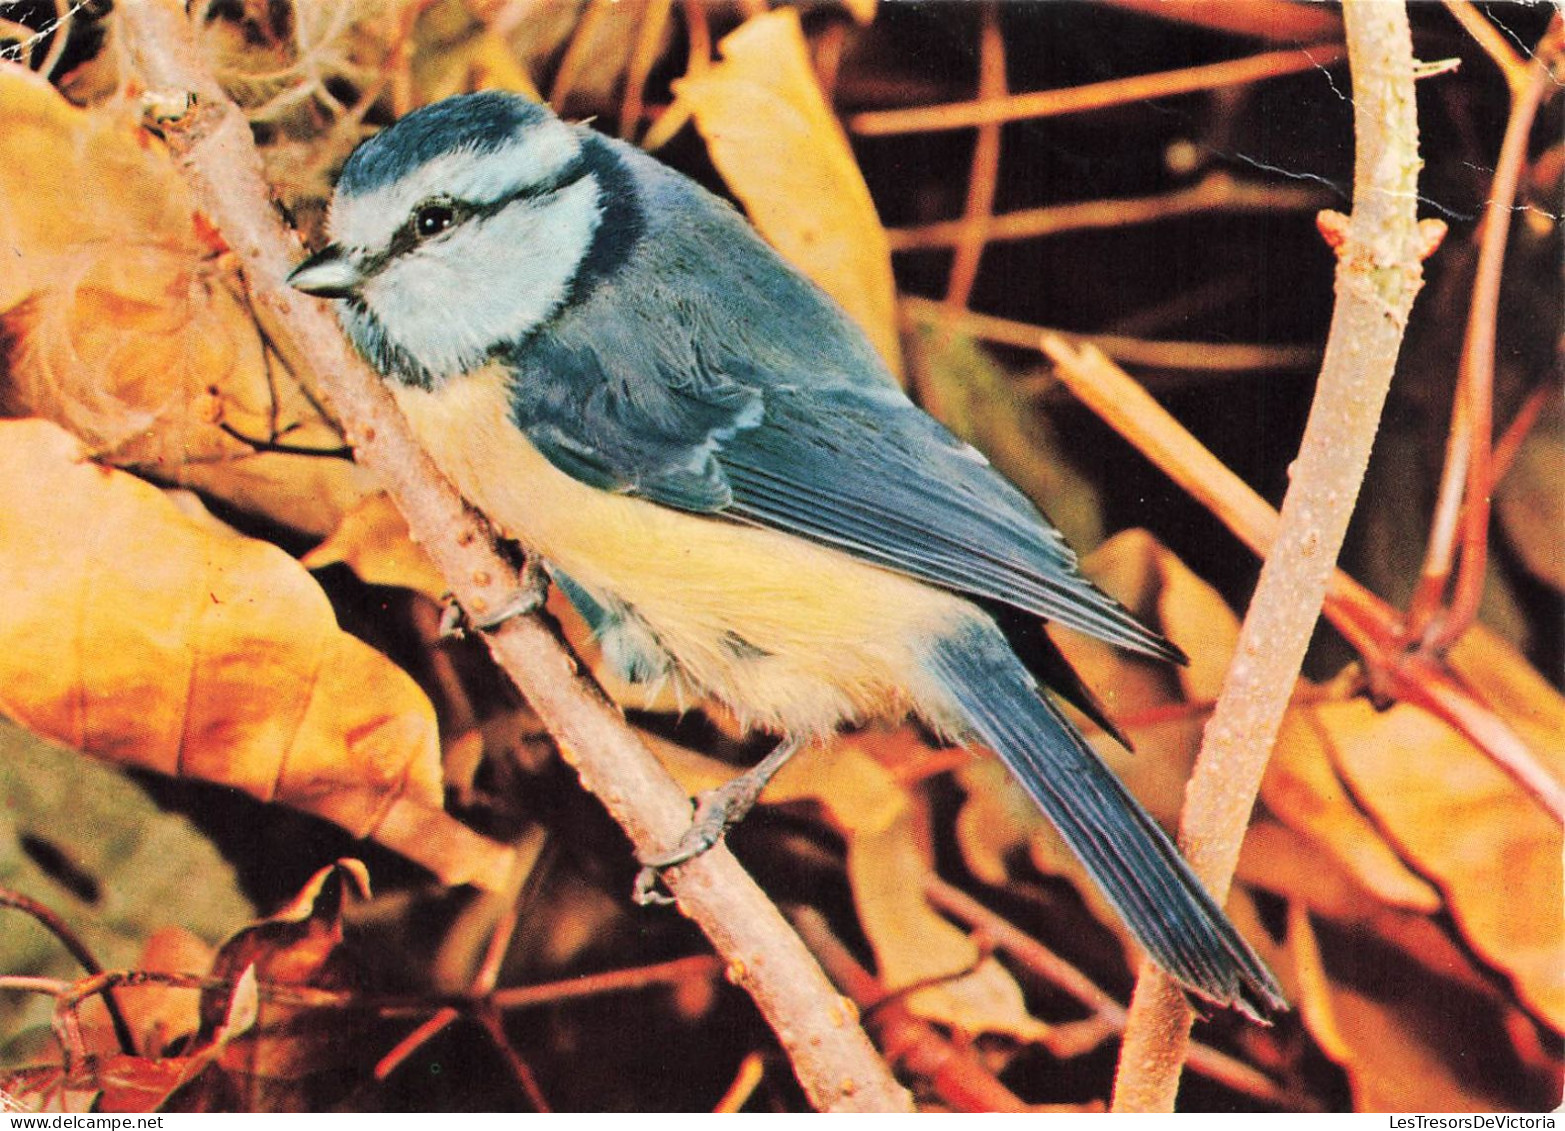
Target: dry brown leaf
{"type": "Point", "coordinates": [1493, 851]}
{"type": "Point", "coordinates": [142, 637]}
{"type": "Point", "coordinates": [372, 540]}
{"type": "Point", "coordinates": [887, 868]}
{"type": "Point", "coordinates": [265, 1052]}
{"type": "Point", "coordinates": [125, 319]}
{"type": "Point", "coordinates": [783, 153]}
{"type": "Point", "coordinates": [913, 944]}
{"type": "Point", "coordinates": [1392, 1045]}
{"type": "Point", "coordinates": [1286, 862]}
{"type": "Point", "coordinates": [1302, 789]}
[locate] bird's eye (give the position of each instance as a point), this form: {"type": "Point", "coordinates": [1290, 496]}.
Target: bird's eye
{"type": "Point", "coordinates": [432, 219]}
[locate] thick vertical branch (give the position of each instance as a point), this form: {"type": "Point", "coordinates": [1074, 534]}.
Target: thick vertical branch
{"type": "Point", "coordinates": [1378, 275]}
{"type": "Point", "coordinates": [212, 145]}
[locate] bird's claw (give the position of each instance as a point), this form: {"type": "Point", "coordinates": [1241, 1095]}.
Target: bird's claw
{"type": "Point", "coordinates": [528, 596]}
{"type": "Point", "coordinates": [717, 811]}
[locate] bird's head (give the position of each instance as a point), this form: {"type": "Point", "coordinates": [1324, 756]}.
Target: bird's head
{"type": "Point", "coordinates": [459, 229]}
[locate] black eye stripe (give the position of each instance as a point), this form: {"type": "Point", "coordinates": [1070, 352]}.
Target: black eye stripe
{"type": "Point", "coordinates": [407, 237]}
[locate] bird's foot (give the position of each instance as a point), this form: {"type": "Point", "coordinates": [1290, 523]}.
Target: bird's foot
{"type": "Point", "coordinates": [717, 811]}
{"type": "Point", "coordinates": [528, 596]}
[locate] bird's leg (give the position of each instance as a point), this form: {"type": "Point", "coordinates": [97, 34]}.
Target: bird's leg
{"type": "Point", "coordinates": [717, 811]}
{"type": "Point", "coordinates": [529, 594]}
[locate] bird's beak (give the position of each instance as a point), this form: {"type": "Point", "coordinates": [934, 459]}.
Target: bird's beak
{"type": "Point", "coordinates": [329, 273]}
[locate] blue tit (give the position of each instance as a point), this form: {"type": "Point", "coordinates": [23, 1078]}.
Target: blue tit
{"type": "Point", "coordinates": [712, 463]}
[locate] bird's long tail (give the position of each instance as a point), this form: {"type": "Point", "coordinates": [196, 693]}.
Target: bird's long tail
{"type": "Point", "coordinates": [1132, 860]}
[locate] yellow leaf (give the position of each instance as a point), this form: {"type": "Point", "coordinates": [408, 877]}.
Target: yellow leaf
{"type": "Point", "coordinates": [140, 636]}
{"type": "Point", "coordinates": [1283, 861]}
{"type": "Point", "coordinates": [1302, 789]}
{"type": "Point", "coordinates": [1388, 1044]}
{"type": "Point", "coordinates": [1492, 849]}
{"type": "Point", "coordinates": [372, 540]}
{"type": "Point", "coordinates": [913, 943]}
{"type": "Point", "coordinates": [125, 322]}
{"type": "Point", "coordinates": [782, 151]}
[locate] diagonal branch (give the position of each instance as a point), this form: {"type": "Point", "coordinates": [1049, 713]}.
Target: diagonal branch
{"type": "Point", "coordinates": [212, 145]}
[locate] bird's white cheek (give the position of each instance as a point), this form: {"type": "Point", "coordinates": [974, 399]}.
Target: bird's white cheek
{"type": "Point", "coordinates": [449, 303]}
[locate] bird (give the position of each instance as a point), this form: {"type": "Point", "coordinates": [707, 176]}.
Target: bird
{"type": "Point", "coordinates": [706, 455]}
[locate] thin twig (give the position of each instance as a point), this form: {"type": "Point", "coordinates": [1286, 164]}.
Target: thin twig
{"type": "Point", "coordinates": [64, 13]}
{"type": "Point", "coordinates": [427, 1031]}
{"type": "Point", "coordinates": [972, 231]}
{"type": "Point", "coordinates": [1378, 274]}
{"type": "Point", "coordinates": [61, 930]}
{"type": "Point", "coordinates": [1224, 357]}
{"type": "Point", "coordinates": [917, 1048]}
{"type": "Point", "coordinates": [1108, 1015]}
{"type": "Point", "coordinates": [1215, 192]}
{"type": "Point", "coordinates": [576, 51]}
{"type": "Point", "coordinates": [654, 22]}
{"type": "Point", "coordinates": [1094, 96]}
{"type": "Point", "coordinates": [1495, 45]}
{"type": "Point", "coordinates": [213, 148]}
{"type": "Point", "coordinates": [1278, 21]}
{"type": "Point", "coordinates": [1473, 419]}
{"type": "Point", "coordinates": [489, 1019]}
{"type": "Point", "coordinates": [752, 1070]}
{"type": "Point", "coordinates": [696, 967]}
{"type": "Point", "coordinates": [1372, 627]}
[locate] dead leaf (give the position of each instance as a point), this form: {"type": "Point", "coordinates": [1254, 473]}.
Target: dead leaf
{"type": "Point", "coordinates": [142, 637]}
{"type": "Point", "coordinates": [372, 540]}
{"type": "Point", "coordinates": [782, 151]}
{"type": "Point", "coordinates": [1493, 851]}
{"type": "Point", "coordinates": [265, 1052]}
{"type": "Point", "coordinates": [126, 321]}
{"type": "Point", "coordinates": [914, 944]}
{"type": "Point", "coordinates": [1302, 788]}
{"type": "Point", "coordinates": [1402, 1051]}
{"type": "Point", "coordinates": [1277, 859]}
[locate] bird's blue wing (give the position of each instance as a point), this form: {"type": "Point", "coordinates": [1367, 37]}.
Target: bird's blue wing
{"type": "Point", "coordinates": [849, 463]}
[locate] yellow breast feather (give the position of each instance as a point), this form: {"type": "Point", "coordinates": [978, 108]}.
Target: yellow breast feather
{"type": "Point", "coordinates": [790, 635]}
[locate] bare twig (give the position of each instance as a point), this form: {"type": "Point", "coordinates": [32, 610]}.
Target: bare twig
{"type": "Point", "coordinates": [1094, 96]}
{"type": "Point", "coordinates": [1495, 45]}
{"type": "Point", "coordinates": [670, 973]}
{"type": "Point", "coordinates": [61, 930]}
{"type": "Point", "coordinates": [950, 1071]}
{"type": "Point", "coordinates": [1215, 192]}
{"type": "Point", "coordinates": [1278, 21]}
{"type": "Point", "coordinates": [1108, 1015]}
{"type": "Point", "coordinates": [1370, 625]}
{"type": "Point", "coordinates": [1469, 475]}
{"type": "Point", "coordinates": [1224, 357]}
{"type": "Point", "coordinates": [212, 146]}
{"type": "Point", "coordinates": [654, 21]}
{"type": "Point", "coordinates": [972, 231]}
{"type": "Point", "coordinates": [752, 1070]}
{"type": "Point", "coordinates": [1378, 274]}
